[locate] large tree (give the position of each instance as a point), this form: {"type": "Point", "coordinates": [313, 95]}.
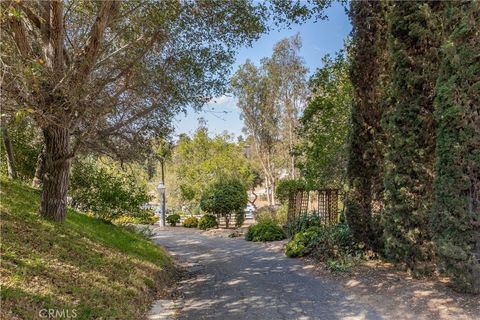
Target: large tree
{"type": "Point", "coordinates": [287, 74]}
{"type": "Point", "coordinates": [366, 145]}
{"type": "Point", "coordinates": [261, 116]}
{"type": "Point", "coordinates": [456, 211]}
{"type": "Point", "coordinates": [323, 129]}
{"type": "Point", "coordinates": [201, 159]}
{"type": "Point", "coordinates": [107, 75]}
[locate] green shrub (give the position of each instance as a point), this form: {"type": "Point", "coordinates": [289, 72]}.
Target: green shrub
{"type": "Point", "coordinates": [173, 219]}
{"type": "Point", "coordinates": [336, 242]}
{"type": "Point", "coordinates": [223, 198]}
{"type": "Point", "coordinates": [239, 218]}
{"type": "Point", "coordinates": [108, 195]}
{"type": "Point", "coordinates": [124, 220]}
{"type": "Point", "coordinates": [302, 223]}
{"type": "Point", "coordinates": [266, 214]}
{"type": "Point", "coordinates": [304, 242]}
{"type": "Point", "coordinates": [190, 222]}
{"type": "Point", "coordinates": [332, 244]}
{"type": "Point", "coordinates": [265, 231]}
{"type": "Point", "coordinates": [207, 221]}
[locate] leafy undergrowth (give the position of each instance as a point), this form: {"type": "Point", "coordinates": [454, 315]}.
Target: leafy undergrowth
{"type": "Point", "coordinates": [83, 266]}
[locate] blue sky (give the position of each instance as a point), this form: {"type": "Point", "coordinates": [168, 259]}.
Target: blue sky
{"type": "Point", "coordinates": [318, 39]}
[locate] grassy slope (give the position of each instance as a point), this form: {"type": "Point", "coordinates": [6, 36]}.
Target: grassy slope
{"type": "Point", "coordinates": [98, 269]}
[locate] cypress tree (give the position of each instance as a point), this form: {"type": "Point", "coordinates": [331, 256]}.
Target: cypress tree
{"type": "Point", "coordinates": [415, 37]}
{"type": "Point", "coordinates": [365, 164]}
{"type": "Point", "coordinates": [456, 214]}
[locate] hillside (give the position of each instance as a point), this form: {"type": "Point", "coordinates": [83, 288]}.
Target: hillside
{"type": "Point", "coordinates": [84, 266]}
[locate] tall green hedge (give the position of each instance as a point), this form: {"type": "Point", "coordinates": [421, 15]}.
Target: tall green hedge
{"type": "Point", "coordinates": [415, 37]}
{"type": "Point", "coordinates": [456, 214]}
{"type": "Point", "coordinates": [365, 151]}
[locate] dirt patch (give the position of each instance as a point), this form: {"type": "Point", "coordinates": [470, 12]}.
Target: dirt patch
{"type": "Point", "coordinates": [396, 294]}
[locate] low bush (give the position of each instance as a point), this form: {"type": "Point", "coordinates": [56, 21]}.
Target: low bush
{"type": "Point", "coordinates": [190, 222]}
{"type": "Point", "coordinates": [332, 244]}
{"type": "Point", "coordinates": [207, 221]}
{"type": "Point", "coordinates": [272, 214]}
{"type": "Point", "coordinates": [173, 219]}
{"type": "Point", "coordinates": [304, 242]}
{"type": "Point", "coordinates": [265, 231]}
{"type": "Point", "coordinates": [124, 220]}
{"type": "Point", "coordinates": [302, 223]}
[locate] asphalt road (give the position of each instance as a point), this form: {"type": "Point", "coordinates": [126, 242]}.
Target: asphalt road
{"type": "Point", "coordinates": [235, 279]}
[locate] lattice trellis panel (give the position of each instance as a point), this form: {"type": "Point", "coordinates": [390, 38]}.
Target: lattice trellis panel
{"type": "Point", "coordinates": [327, 204]}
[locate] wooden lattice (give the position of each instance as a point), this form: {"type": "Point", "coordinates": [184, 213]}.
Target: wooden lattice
{"type": "Point", "coordinates": [327, 204]}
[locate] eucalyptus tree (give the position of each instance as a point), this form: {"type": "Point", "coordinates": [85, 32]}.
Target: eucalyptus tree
{"type": "Point", "coordinates": [261, 116]}
{"type": "Point", "coordinates": [108, 75]}
{"type": "Point", "coordinates": [287, 74]}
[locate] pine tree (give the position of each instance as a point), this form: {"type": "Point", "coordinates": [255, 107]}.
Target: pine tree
{"type": "Point", "coordinates": [365, 169]}
{"type": "Point", "coordinates": [456, 214]}
{"type": "Point", "coordinates": [415, 37]}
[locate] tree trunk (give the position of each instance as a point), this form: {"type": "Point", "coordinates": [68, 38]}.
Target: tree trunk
{"type": "Point", "coordinates": [12, 173]}
{"type": "Point", "coordinates": [273, 192]}
{"type": "Point", "coordinates": [267, 190]}
{"type": "Point", "coordinates": [227, 221]}
{"type": "Point", "coordinates": [254, 199]}
{"type": "Point", "coordinates": [39, 170]}
{"type": "Point", "coordinates": [57, 167]}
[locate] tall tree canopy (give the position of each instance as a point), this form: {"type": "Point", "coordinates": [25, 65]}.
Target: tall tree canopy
{"type": "Point", "coordinates": [271, 98]}
{"type": "Point", "coordinates": [199, 160]}
{"type": "Point", "coordinates": [415, 39]}
{"type": "Point", "coordinates": [324, 125]}
{"type": "Point", "coordinates": [456, 212]}
{"type": "Point", "coordinates": [366, 154]}
{"type": "Point", "coordinates": [106, 75]}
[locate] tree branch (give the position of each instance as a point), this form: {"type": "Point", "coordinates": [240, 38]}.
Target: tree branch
{"type": "Point", "coordinates": [107, 10]}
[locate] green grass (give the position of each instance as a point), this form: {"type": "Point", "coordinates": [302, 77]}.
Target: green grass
{"type": "Point", "coordinates": [95, 268]}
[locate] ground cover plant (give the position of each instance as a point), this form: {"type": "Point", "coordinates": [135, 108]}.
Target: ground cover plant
{"type": "Point", "coordinates": [84, 264]}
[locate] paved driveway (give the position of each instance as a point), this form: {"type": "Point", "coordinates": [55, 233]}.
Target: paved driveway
{"type": "Point", "coordinates": [236, 279]}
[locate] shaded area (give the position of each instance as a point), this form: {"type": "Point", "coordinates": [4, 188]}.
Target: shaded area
{"type": "Point", "coordinates": [235, 279]}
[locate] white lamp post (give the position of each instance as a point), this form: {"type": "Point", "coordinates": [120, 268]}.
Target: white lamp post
{"type": "Point", "coordinates": [161, 193]}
